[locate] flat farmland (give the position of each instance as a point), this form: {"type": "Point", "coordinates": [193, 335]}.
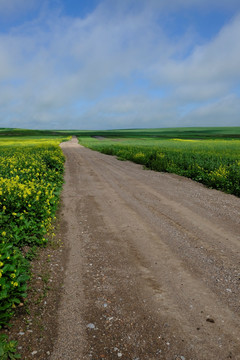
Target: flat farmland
{"type": "Point", "coordinates": [152, 269]}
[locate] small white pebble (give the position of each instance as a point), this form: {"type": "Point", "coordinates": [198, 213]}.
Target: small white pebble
{"type": "Point", "coordinates": [34, 352]}
{"type": "Point", "coordinates": [119, 354]}
{"type": "Point", "coordinates": [91, 326]}
{"type": "Point", "coordinates": [228, 290]}
{"type": "Point", "coordinates": [21, 333]}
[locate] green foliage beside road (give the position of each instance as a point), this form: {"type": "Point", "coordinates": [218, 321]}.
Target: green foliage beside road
{"type": "Point", "coordinates": [215, 163]}
{"type": "Point", "coordinates": [31, 177]}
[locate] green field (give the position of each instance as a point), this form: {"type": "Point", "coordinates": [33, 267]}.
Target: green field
{"type": "Point", "coordinates": [165, 133]}
{"type": "Point", "coordinates": [207, 155]}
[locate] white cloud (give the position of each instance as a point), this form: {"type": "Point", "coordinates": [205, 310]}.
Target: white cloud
{"type": "Point", "coordinates": [210, 71]}
{"type": "Point", "coordinates": [223, 112]}
{"type": "Point", "coordinates": [88, 72]}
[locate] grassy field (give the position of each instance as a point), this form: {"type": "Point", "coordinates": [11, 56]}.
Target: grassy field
{"type": "Point", "coordinates": [207, 155]}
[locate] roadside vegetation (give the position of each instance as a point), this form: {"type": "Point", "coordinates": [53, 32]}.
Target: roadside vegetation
{"type": "Point", "coordinates": [211, 157]}
{"type": "Point", "coordinates": [31, 177]}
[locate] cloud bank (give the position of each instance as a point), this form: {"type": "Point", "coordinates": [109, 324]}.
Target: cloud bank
{"type": "Point", "coordinates": [117, 67]}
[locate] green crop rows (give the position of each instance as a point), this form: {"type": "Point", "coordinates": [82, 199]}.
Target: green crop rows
{"type": "Point", "coordinates": [215, 163]}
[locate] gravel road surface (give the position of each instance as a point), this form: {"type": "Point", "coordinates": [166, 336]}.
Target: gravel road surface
{"type": "Point", "coordinates": [153, 266]}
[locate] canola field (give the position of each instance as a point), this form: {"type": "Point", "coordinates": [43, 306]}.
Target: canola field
{"type": "Point", "coordinates": [214, 162]}
{"type": "Point", "coordinates": [31, 177]}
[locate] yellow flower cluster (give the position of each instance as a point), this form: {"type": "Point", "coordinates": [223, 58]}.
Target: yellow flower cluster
{"type": "Point", "coordinates": [139, 155]}
{"type": "Point", "coordinates": [186, 140]}
{"type": "Point", "coordinates": [23, 142]}
{"type": "Point", "coordinates": [219, 173]}
{"type": "Point", "coordinates": [160, 155]}
{"type": "Point", "coordinates": [30, 178]}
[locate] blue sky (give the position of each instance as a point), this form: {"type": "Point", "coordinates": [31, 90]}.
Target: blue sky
{"type": "Point", "coordinates": [102, 64]}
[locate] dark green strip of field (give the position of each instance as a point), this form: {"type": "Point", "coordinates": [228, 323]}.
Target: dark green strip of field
{"type": "Point", "coordinates": [164, 133]}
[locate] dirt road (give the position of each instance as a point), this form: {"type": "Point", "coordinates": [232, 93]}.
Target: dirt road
{"type": "Point", "coordinates": [153, 266]}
